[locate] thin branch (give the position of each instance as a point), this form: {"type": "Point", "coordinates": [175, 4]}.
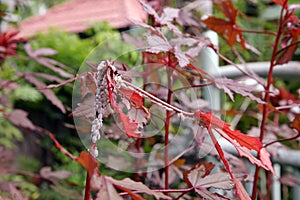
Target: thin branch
{"type": "Point", "coordinates": [253, 76]}
{"type": "Point", "coordinates": [288, 46]}
{"type": "Point", "coordinates": [161, 190]}
{"type": "Point", "coordinates": [258, 31]}
{"type": "Point", "coordinates": [283, 140]}
{"type": "Point", "coordinates": [192, 86]}
{"type": "Point", "coordinates": [266, 98]}
{"type": "Point", "coordinates": [61, 84]}
{"type": "Point", "coordinates": [157, 100]}
{"type": "Point", "coordinates": [182, 153]}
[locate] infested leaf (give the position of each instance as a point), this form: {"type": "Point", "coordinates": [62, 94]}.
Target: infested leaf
{"type": "Point", "coordinates": [87, 84]}
{"type": "Point", "coordinates": [85, 109]}
{"type": "Point", "coordinates": [130, 126]}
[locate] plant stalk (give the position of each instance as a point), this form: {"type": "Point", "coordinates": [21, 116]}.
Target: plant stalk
{"type": "Point", "coordinates": [266, 97]}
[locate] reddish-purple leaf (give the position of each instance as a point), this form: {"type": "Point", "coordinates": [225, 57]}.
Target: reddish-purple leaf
{"type": "Point", "coordinates": [16, 194]}
{"type": "Point", "coordinates": [229, 85]}
{"type": "Point", "coordinates": [157, 44]}
{"type": "Point", "coordinates": [49, 63]}
{"type": "Point", "coordinates": [85, 109]}
{"type": "Point", "coordinates": [9, 85]}
{"type": "Point", "coordinates": [243, 143]}
{"type": "Point", "coordinates": [289, 180]}
{"type": "Point", "coordinates": [168, 15]}
{"type": "Point", "coordinates": [183, 60]}
{"type": "Point", "coordinates": [287, 55]}
{"type": "Point", "coordinates": [19, 118]}
{"type": "Point", "coordinates": [208, 195]}
{"type": "Point", "coordinates": [202, 169]}
{"type": "Point", "coordinates": [44, 52]}
{"type": "Point", "coordinates": [149, 9]}
{"type": "Point", "coordinates": [48, 77]}
{"type": "Point", "coordinates": [106, 190]}
{"type": "Point", "coordinates": [219, 180]}
{"type": "Point", "coordinates": [49, 94]}
{"type": "Point", "coordinates": [87, 84]}
{"type": "Point", "coordinates": [137, 186]}
{"type": "Point", "coordinates": [185, 19]}
{"type": "Point", "coordinates": [48, 174]}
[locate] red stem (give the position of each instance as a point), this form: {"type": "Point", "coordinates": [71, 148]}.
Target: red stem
{"type": "Point", "coordinates": [258, 31]}
{"type": "Point", "coordinates": [87, 194]}
{"type": "Point", "coordinates": [266, 98]}
{"type": "Point", "coordinates": [167, 125]}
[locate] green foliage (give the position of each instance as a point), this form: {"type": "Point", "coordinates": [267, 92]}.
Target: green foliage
{"type": "Point", "coordinates": [71, 50]}
{"type": "Point", "coordinates": [27, 93]}
{"type": "Point", "coordinates": [9, 134]}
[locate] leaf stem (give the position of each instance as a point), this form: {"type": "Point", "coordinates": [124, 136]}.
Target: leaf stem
{"type": "Point", "coordinates": [167, 123]}
{"type": "Point", "coordinates": [258, 31]}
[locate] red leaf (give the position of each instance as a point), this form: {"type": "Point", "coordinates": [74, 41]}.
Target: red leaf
{"type": "Point", "coordinates": [240, 190]}
{"type": "Point", "coordinates": [243, 143]}
{"type": "Point", "coordinates": [203, 169]}
{"type": "Point", "coordinates": [287, 55]}
{"type": "Point", "coordinates": [283, 3]}
{"type": "Point", "coordinates": [228, 29]}
{"type": "Point", "coordinates": [229, 10]}
{"type": "Point", "coordinates": [296, 123]}
{"type": "Point", "coordinates": [216, 123]}
{"type": "Point", "coordinates": [19, 118]}
{"type": "Point", "coordinates": [88, 162]}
